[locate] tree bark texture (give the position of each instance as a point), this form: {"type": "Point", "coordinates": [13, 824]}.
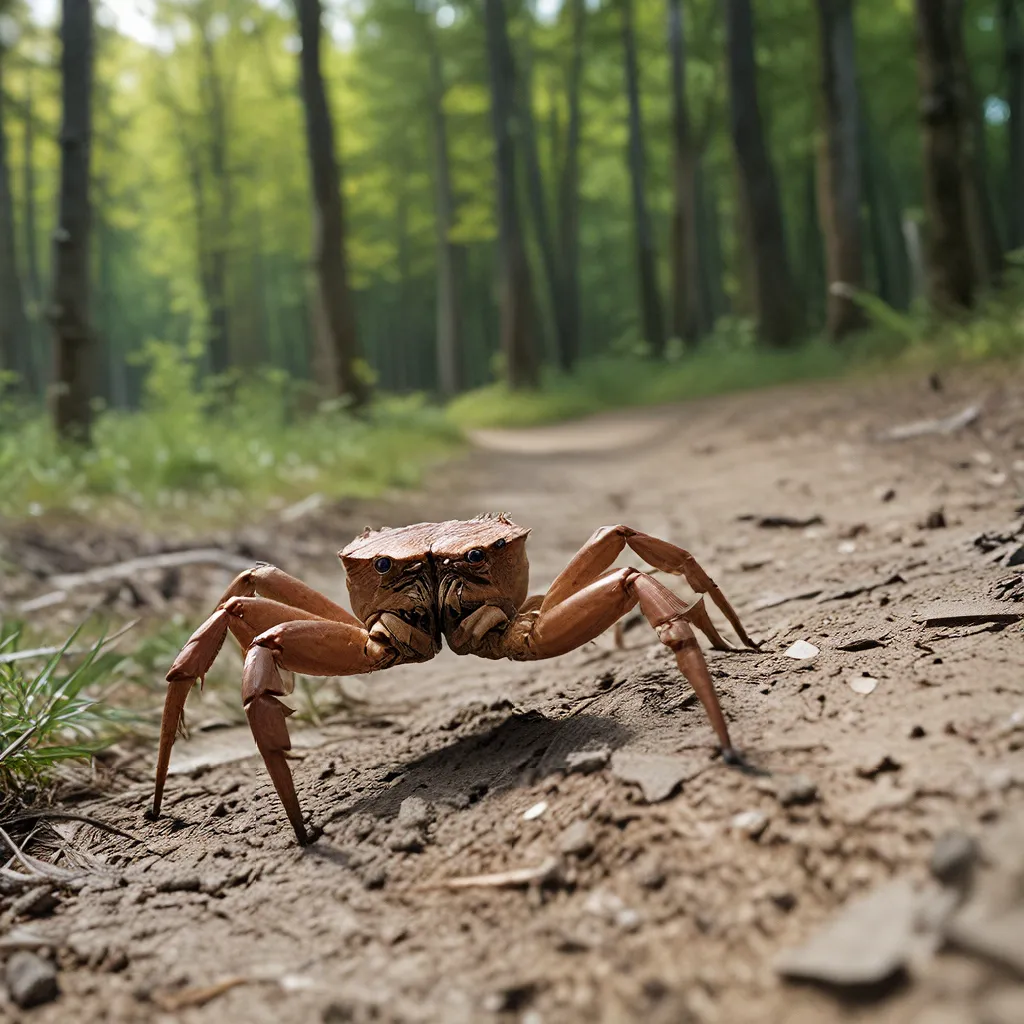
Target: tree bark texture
{"type": "Point", "coordinates": [944, 124]}
{"type": "Point", "coordinates": [450, 256]}
{"type": "Point", "coordinates": [646, 257]}
{"type": "Point", "coordinates": [839, 163]}
{"type": "Point", "coordinates": [515, 296]}
{"type": "Point", "coordinates": [687, 314]}
{"type": "Point", "coordinates": [1013, 61]}
{"type": "Point", "coordinates": [569, 188]}
{"type": "Point", "coordinates": [334, 315]}
{"type": "Point", "coordinates": [775, 299]}
{"type": "Point", "coordinates": [539, 208]}
{"type": "Point", "coordinates": [15, 344]}
{"type": "Point", "coordinates": [217, 255]}
{"type": "Point", "coordinates": [33, 282]}
{"type": "Point", "coordinates": [73, 336]}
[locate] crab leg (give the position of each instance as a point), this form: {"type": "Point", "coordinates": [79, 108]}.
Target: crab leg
{"type": "Point", "coordinates": [583, 615]}
{"type": "Point", "coordinates": [315, 648]}
{"type": "Point", "coordinates": [202, 648]}
{"type": "Point", "coordinates": [608, 542]}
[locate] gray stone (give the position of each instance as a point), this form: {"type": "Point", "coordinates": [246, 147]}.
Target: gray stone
{"type": "Point", "coordinates": [657, 775]}
{"type": "Point", "coordinates": [796, 789]}
{"type": "Point", "coordinates": [953, 858]}
{"type": "Point", "coordinates": [31, 980]}
{"type": "Point", "coordinates": [587, 760]}
{"type": "Point", "coordinates": [415, 813]}
{"type": "Point", "coordinates": [577, 840]}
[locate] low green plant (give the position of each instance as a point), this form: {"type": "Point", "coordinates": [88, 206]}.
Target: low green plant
{"type": "Point", "coordinates": [218, 453]}
{"type": "Point", "coordinates": [52, 716]}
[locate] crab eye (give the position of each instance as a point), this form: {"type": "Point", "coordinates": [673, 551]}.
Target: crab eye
{"type": "Point", "coordinates": [474, 556]}
{"type": "Point", "coordinates": [382, 564]}
{"type": "Point", "coordinates": [499, 543]}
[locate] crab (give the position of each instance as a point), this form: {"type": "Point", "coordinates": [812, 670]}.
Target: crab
{"type": "Point", "coordinates": [464, 580]}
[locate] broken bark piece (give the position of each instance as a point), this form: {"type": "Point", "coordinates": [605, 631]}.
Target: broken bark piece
{"type": "Point", "coordinates": [868, 942]}
{"type": "Point", "coordinates": [963, 613]}
{"type": "Point", "coordinates": [657, 775]}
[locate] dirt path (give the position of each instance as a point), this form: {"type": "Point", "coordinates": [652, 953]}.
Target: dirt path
{"type": "Point", "coordinates": [672, 910]}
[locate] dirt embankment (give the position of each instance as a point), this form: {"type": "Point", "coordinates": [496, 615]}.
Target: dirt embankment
{"type": "Point", "coordinates": [665, 885]}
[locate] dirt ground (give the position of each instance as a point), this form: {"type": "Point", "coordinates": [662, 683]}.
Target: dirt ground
{"type": "Point", "coordinates": [668, 884]}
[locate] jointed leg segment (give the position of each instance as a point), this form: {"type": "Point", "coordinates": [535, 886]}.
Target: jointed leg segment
{"type": "Point", "coordinates": [291, 626]}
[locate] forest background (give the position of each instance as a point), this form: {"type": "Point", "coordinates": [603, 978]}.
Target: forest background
{"type": "Point", "coordinates": [254, 250]}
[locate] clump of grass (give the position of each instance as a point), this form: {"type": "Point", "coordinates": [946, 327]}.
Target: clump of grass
{"type": "Point", "coordinates": [51, 716]}
{"type": "Point", "coordinates": [191, 452]}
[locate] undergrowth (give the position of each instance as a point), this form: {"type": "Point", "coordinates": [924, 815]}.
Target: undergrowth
{"type": "Point", "coordinates": [216, 454]}
{"type": "Point", "coordinates": [52, 716]}
{"type": "Point", "coordinates": [730, 360]}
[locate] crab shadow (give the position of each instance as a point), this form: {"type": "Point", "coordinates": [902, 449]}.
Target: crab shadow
{"type": "Point", "coordinates": [520, 751]}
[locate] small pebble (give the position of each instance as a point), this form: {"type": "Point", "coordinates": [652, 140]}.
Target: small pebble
{"type": "Point", "coordinates": [801, 650]}
{"type": "Point", "coordinates": [406, 840]}
{"type": "Point", "coordinates": [587, 760]}
{"type": "Point", "coordinates": [577, 840]}
{"type": "Point", "coordinates": [751, 823]}
{"type": "Point", "coordinates": [31, 980]}
{"type": "Point", "coordinates": [415, 813]}
{"type": "Point", "coordinates": [796, 789]}
{"type": "Point", "coordinates": [953, 858]}
{"type": "Point", "coordinates": [535, 811]}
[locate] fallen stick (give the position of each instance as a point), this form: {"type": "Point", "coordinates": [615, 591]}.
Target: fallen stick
{"type": "Point", "coordinates": [122, 570]}
{"type": "Point", "coordinates": [921, 428]}
{"type": "Point", "coordinates": [515, 878]}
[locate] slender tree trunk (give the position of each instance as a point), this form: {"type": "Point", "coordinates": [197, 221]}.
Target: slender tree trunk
{"type": "Point", "coordinates": [687, 314]}
{"type": "Point", "coordinates": [839, 167]}
{"type": "Point", "coordinates": [33, 282]}
{"type": "Point", "coordinates": [336, 319]}
{"type": "Point", "coordinates": [219, 326]}
{"type": "Point", "coordinates": [450, 256]}
{"type": "Point", "coordinates": [1013, 62]}
{"type": "Point", "coordinates": [569, 189]}
{"type": "Point", "coordinates": [711, 263]}
{"type": "Point", "coordinates": [516, 305]}
{"type": "Point", "coordinates": [73, 336]}
{"type": "Point", "coordinates": [646, 257]}
{"type": "Point", "coordinates": [541, 221]}
{"type": "Point", "coordinates": [944, 124]}
{"type": "Point", "coordinates": [775, 299]}
{"type": "Point", "coordinates": [15, 353]}
{"type": "Point", "coordinates": [812, 265]}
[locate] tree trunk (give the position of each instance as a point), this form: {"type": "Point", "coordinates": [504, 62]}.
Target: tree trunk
{"type": "Point", "coordinates": [517, 341]}
{"type": "Point", "coordinates": [450, 256]}
{"type": "Point", "coordinates": [839, 167]}
{"type": "Point", "coordinates": [773, 281]}
{"type": "Point", "coordinates": [687, 316]}
{"type": "Point", "coordinates": [537, 199]}
{"type": "Point", "coordinates": [569, 189]}
{"type": "Point", "coordinates": [944, 123]}
{"type": "Point", "coordinates": [1013, 61]}
{"type": "Point", "coordinates": [73, 338]}
{"type": "Point", "coordinates": [219, 326]}
{"type": "Point", "coordinates": [33, 282]}
{"type": "Point", "coordinates": [646, 257]}
{"type": "Point", "coordinates": [336, 320]}
{"type": "Point", "coordinates": [15, 352]}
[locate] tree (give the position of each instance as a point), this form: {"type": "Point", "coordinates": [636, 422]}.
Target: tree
{"type": "Point", "coordinates": [15, 353]}
{"type": "Point", "coordinates": [839, 167]}
{"type": "Point", "coordinates": [569, 187]}
{"type": "Point", "coordinates": [515, 298]}
{"type": "Point", "coordinates": [1013, 61]}
{"type": "Point", "coordinates": [775, 298]}
{"type": "Point", "coordinates": [686, 313]}
{"type": "Point", "coordinates": [69, 312]}
{"type": "Point", "coordinates": [334, 313]}
{"type": "Point", "coordinates": [646, 257]}
{"type": "Point", "coordinates": [450, 256]}
{"type": "Point", "coordinates": [943, 129]}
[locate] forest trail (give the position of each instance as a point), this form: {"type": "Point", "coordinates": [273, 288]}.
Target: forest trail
{"type": "Point", "coordinates": [659, 907]}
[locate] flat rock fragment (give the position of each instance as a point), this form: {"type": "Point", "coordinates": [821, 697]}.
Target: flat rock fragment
{"type": "Point", "coordinates": [967, 613]}
{"type": "Point", "coordinates": [869, 941]}
{"type": "Point", "coordinates": [657, 775]}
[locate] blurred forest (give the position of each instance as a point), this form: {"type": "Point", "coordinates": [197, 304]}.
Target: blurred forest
{"type": "Point", "coordinates": [421, 195]}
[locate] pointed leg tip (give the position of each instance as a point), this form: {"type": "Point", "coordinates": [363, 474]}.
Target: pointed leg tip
{"type": "Point", "coordinates": [152, 813]}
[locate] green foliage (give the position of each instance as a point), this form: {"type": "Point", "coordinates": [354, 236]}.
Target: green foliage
{"type": "Point", "coordinates": [51, 716]}
{"type": "Point", "coordinates": [729, 362]}
{"type": "Point", "coordinates": [218, 451]}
